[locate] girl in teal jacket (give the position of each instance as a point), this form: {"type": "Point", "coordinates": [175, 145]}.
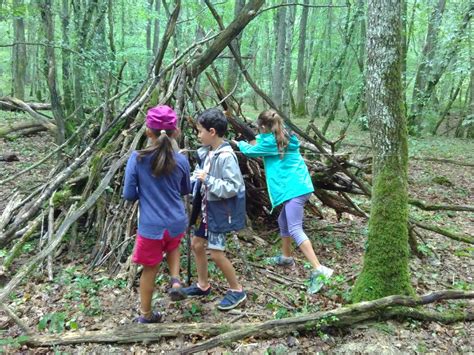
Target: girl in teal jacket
{"type": "Point", "coordinates": [288, 183]}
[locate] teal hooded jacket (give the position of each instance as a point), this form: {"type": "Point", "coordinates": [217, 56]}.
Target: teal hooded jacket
{"type": "Point", "coordinates": [287, 177]}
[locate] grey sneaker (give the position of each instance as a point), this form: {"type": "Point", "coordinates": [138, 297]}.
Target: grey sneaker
{"type": "Point", "coordinates": [280, 260]}
{"type": "Point", "coordinates": [318, 278]}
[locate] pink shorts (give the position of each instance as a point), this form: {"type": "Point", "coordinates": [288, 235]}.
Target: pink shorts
{"type": "Point", "coordinates": [149, 252]}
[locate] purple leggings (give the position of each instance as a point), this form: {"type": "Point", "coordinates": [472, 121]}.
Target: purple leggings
{"type": "Point", "coordinates": [290, 219]}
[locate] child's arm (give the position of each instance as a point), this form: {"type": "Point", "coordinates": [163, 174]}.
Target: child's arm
{"type": "Point", "coordinates": [229, 184]}
{"type": "Point", "coordinates": [257, 149]}
{"type": "Point", "coordinates": [186, 180]}
{"type": "Point", "coordinates": [130, 188]}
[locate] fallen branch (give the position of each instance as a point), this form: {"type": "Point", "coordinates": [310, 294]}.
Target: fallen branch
{"type": "Point", "coordinates": [135, 333]}
{"type": "Point", "coordinates": [341, 316]}
{"type": "Point", "coordinates": [42, 119]}
{"type": "Point", "coordinates": [439, 160]}
{"type": "Point", "coordinates": [37, 106]}
{"type": "Point", "coordinates": [420, 204]}
{"type": "Point", "coordinates": [459, 237]}
{"type": "Point", "coordinates": [15, 318]}
{"type": "Point", "coordinates": [227, 333]}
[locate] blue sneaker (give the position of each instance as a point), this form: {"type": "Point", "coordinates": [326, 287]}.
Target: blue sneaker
{"type": "Point", "coordinates": [156, 317]}
{"type": "Point", "coordinates": [231, 300]}
{"type": "Point", "coordinates": [195, 291]}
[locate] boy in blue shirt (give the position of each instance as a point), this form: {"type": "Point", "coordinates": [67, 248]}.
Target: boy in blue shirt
{"type": "Point", "coordinates": [221, 185]}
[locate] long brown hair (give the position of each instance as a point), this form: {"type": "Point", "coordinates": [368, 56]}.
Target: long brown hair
{"type": "Point", "coordinates": [162, 161]}
{"type": "Point", "coordinates": [272, 122]}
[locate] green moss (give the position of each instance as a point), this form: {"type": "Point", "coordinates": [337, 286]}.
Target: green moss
{"type": "Point", "coordinates": [62, 196]}
{"type": "Point", "coordinates": [385, 270]}
{"type": "Point", "coordinates": [111, 134]}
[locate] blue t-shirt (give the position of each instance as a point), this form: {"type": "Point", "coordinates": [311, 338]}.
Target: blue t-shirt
{"type": "Point", "coordinates": [159, 198]}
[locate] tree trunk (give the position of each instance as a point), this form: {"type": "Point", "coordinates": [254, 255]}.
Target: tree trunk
{"type": "Point", "coordinates": [50, 69]}
{"type": "Point", "coordinates": [385, 270]}
{"type": "Point", "coordinates": [279, 66]}
{"type": "Point", "coordinates": [83, 18]}
{"type": "Point", "coordinates": [339, 63]}
{"type": "Point", "coordinates": [425, 67]}
{"type": "Point", "coordinates": [452, 49]}
{"type": "Point", "coordinates": [301, 70]}
{"type": "Point", "coordinates": [286, 97]}
{"type": "Point", "coordinates": [362, 59]}
{"type": "Point", "coordinates": [19, 53]}
{"type": "Point", "coordinates": [156, 27]}
{"type": "Point", "coordinates": [470, 131]}
{"type": "Point", "coordinates": [148, 26]}
{"type": "Point", "coordinates": [452, 98]}
{"type": "Point", "coordinates": [233, 69]}
{"type": "Point", "coordinates": [66, 59]}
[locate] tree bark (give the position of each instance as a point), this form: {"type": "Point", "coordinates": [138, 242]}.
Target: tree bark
{"type": "Point", "coordinates": [156, 27]}
{"type": "Point", "coordinates": [233, 69]}
{"type": "Point", "coordinates": [279, 65]}
{"type": "Point", "coordinates": [339, 63]}
{"type": "Point", "coordinates": [19, 53]}
{"type": "Point", "coordinates": [435, 75]}
{"type": "Point", "coordinates": [148, 26]}
{"type": "Point", "coordinates": [82, 24]}
{"type": "Point", "coordinates": [427, 56]}
{"type": "Point", "coordinates": [48, 24]}
{"type": "Point", "coordinates": [445, 112]}
{"type": "Point", "coordinates": [66, 59]}
{"type": "Point", "coordinates": [289, 27]}
{"type": "Point", "coordinates": [385, 271]}
{"type": "Point", "coordinates": [302, 69]}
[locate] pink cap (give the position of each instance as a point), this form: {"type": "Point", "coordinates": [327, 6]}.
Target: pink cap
{"type": "Point", "coordinates": [161, 117]}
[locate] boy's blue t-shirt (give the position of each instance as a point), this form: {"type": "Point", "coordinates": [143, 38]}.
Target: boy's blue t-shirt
{"type": "Point", "coordinates": [160, 204]}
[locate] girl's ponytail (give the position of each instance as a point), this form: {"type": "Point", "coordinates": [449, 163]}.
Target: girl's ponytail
{"type": "Point", "coordinates": [162, 161]}
{"type": "Point", "coordinates": [272, 121]}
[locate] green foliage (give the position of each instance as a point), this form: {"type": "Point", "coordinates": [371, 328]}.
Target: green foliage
{"type": "Point", "coordinates": [54, 322]}
{"type": "Point", "coordinates": [12, 342]}
{"type": "Point", "coordinates": [193, 313]}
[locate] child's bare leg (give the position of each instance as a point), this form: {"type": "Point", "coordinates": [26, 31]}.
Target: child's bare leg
{"type": "Point", "coordinates": [172, 258]}
{"type": "Point", "coordinates": [286, 246]}
{"type": "Point", "coordinates": [307, 249]}
{"type": "Point", "coordinates": [199, 248]}
{"type": "Point", "coordinates": [147, 285]}
{"type": "Point", "coordinates": [226, 267]}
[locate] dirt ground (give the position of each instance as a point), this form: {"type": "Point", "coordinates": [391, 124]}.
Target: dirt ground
{"type": "Point", "coordinates": [81, 299]}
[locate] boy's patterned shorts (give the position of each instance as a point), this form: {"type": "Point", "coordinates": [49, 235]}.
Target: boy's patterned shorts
{"type": "Point", "coordinates": [215, 241]}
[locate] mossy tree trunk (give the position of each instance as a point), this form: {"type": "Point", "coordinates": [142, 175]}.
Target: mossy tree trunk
{"type": "Point", "coordinates": [385, 270]}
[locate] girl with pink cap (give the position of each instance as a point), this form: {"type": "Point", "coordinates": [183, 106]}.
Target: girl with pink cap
{"type": "Point", "coordinates": [158, 177]}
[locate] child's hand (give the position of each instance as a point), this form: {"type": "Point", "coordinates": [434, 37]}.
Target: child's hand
{"type": "Point", "coordinates": [201, 175]}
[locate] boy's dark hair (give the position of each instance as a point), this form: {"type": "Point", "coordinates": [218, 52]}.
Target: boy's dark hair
{"type": "Point", "coordinates": [213, 118]}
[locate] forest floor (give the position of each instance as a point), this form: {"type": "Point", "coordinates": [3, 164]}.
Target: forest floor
{"type": "Point", "coordinates": [79, 299]}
